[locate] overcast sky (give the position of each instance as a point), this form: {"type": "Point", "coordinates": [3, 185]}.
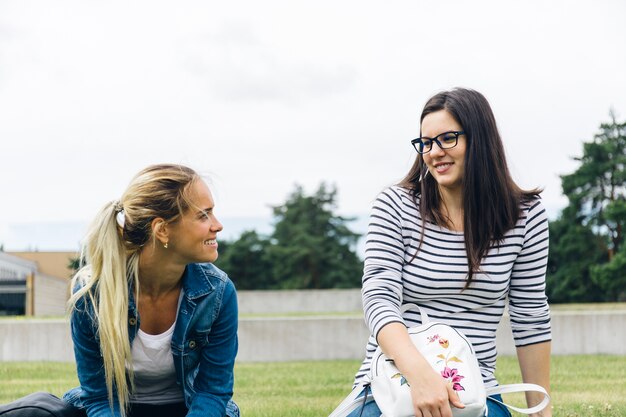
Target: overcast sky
{"type": "Point", "coordinates": [261, 95]}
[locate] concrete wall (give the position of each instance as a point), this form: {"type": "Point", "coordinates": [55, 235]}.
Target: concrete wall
{"type": "Point", "coordinates": [290, 339]}
{"type": "Point", "coordinates": [320, 338]}
{"type": "Point", "coordinates": [299, 301]}
{"type": "Point", "coordinates": [35, 340]}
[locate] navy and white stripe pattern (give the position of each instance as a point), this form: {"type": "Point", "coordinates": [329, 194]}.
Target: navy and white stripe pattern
{"type": "Point", "coordinates": [512, 270]}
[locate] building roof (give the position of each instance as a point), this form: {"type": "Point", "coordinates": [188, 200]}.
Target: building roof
{"type": "Point", "coordinates": [55, 264]}
{"type": "Point", "coordinates": [15, 268]}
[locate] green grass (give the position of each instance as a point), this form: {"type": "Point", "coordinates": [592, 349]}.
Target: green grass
{"type": "Point", "coordinates": [582, 385]}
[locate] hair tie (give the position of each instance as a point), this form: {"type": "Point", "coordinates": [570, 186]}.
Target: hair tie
{"type": "Point", "coordinates": [120, 217]}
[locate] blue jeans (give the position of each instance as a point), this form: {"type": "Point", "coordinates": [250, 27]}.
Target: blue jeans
{"type": "Point", "coordinates": [372, 410]}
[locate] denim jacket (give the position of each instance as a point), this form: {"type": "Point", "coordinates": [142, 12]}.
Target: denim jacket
{"type": "Point", "coordinates": [204, 346]}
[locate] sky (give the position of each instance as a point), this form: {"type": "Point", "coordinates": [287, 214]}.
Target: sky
{"type": "Point", "coordinates": [260, 96]}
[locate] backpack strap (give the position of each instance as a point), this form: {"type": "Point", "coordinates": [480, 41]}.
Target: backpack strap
{"type": "Point", "coordinates": [414, 307]}
{"type": "Point", "coordinates": [511, 388]}
{"type": "Point", "coordinates": [352, 401]}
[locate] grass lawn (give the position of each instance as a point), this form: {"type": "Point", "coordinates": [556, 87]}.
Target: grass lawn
{"type": "Point", "coordinates": [582, 386]}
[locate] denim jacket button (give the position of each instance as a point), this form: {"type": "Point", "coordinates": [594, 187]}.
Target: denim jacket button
{"type": "Point", "coordinates": [192, 344]}
{"type": "Point", "coordinates": [132, 321]}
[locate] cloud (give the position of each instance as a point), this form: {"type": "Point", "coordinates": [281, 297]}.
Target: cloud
{"type": "Point", "coordinates": [5, 31]}
{"type": "Point", "coordinates": [238, 66]}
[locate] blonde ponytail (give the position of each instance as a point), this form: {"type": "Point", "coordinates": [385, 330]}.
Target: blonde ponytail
{"type": "Point", "coordinates": [111, 256]}
{"type": "Point", "coordinates": [100, 280]}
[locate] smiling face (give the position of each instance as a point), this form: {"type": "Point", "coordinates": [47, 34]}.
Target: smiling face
{"type": "Point", "coordinates": [447, 166]}
{"type": "Point", "coordinates": [193, 237]}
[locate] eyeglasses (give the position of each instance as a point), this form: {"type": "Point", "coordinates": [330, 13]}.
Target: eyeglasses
{"type": "Point", "coordinates": [444, 140]}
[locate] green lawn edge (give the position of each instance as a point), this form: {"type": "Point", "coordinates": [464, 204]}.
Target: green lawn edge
{"type": "Point", "coordinates": [582, 385]}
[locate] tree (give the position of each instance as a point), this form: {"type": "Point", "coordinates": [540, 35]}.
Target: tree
{"type": "Point", "coordinates": [574, 250]}
{"type": "Point", "coordinates": [311, 246]}
{"type": "Point", "coordinates": [587, 255]}
{"type": "Point", "coordinates": [74, 265]}
{"type": "Point", "coordinates": [246, 261]}
{"type": "Point", "coordinates": [597, 189]}
{"type": "Point", "coordinates": [611, 276]}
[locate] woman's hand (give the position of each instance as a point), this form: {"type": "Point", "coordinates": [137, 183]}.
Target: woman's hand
{"type": "Point", "coordinates": [432, 396]}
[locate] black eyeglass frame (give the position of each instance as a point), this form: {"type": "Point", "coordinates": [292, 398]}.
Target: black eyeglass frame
{"type": "Point", "coordinates": [419, 142]}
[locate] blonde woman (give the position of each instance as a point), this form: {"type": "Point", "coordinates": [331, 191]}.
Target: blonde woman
{"type": "Point", "coordinates": [154, 323]}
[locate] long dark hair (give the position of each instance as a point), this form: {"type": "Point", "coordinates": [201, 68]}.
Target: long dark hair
{"type": "Point", "coordinates": [491, 199]}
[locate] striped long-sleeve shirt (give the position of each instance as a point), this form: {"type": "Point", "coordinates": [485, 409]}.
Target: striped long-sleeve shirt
{"type": "Point", "coordinates": [512, 270]}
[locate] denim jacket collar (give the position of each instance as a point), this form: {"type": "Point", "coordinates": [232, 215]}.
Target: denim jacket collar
{"type": "Point", "coordinates": [196, 284]}
{"type": "Point", "coordinates": [196, 281]}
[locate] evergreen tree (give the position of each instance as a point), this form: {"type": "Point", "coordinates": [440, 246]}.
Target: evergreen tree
{"type": "Point", "coordinates": [611, 277]}
{"type": "Point", "coordinates": [246, 261]}
{"type": "Point", "coordinates": [74, 265]}
{"type": "Point", "coordinates": [597, 189]}
{"type": "Point", "coordinates": [587, 254]}
{"type": "Point", "coordinates": [312, 247]}
{"type": "Point", "coordinates": [574, 250]}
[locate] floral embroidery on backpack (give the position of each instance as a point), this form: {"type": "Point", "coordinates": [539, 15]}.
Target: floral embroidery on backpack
{"type": "Point", "coordinates": [450, 374]}
{"type": "Point", "coordinates": [453, 377]}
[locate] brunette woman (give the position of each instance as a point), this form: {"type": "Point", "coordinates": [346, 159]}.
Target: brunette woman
{"type": "Point", "coordinates": [460, 239]}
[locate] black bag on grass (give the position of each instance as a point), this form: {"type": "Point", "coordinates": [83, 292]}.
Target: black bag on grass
{"type": "Point", "coordinates": [39, 404]}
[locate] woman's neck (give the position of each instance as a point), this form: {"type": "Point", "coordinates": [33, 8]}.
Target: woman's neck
{"type": "Point", "coordinates": [158, 275]}
{"type": "Point", "coordinates": [452, 207]}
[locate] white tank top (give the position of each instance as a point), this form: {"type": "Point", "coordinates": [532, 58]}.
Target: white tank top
{"type": "Point", "coordinates": [153, 364]}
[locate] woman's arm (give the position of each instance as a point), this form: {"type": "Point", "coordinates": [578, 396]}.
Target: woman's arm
{"type": "Point", "coordinates": [384, 259]}
{"type": "Point", "coordinates": [215, 379]}
{"type": "Point", "coordinates": [534, 362]}
{"type": "Point", "coordinates": [382, 299]}
{"type": "Point", "coordinates": [528, 304]}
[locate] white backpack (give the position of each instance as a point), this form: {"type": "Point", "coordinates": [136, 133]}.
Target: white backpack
{"type": "Point", "coordinates": [452, 356]}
